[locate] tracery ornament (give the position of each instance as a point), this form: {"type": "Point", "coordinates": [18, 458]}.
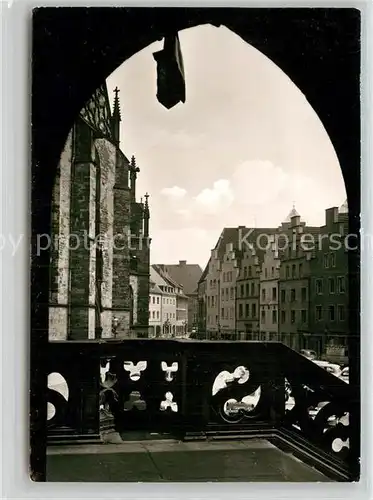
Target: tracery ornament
{"type": "Point", "coordinates": [96, 112]}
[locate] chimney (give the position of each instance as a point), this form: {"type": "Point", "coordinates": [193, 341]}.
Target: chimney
{"type": "Point", "coordinates": [182, 262]}
{"type": "Point", "coordinates": [331, 216]}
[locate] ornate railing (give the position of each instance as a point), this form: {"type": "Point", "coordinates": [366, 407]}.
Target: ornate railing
{"type": "Point", "coordinates": [197, 389]}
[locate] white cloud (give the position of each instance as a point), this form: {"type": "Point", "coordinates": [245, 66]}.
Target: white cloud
{"type": "Point", "coordinates": [258, 182]}
{"type": "Point", "coordinates": [260, 186]}
{"type": "Point", "coordinates": [174, 192]}
{"type": "Point", "coordinates": [215, 199]}
{"type": "Point", "coordinates": [192, 244]}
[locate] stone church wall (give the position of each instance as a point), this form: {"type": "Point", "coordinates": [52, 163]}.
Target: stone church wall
{"type": "Point", "coordinates": [114, 228]}
{"type": "Point", "coordinates": [94, 211]}
{"type": "Point", "coordinates": [134, 283]}
{"type": "Point", "coordinates": [106, 155]}
{"type": "Point", "coordinates": [59, 296]}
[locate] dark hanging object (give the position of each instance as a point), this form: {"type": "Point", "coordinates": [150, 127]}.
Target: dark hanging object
{"type": "Point", "coordinates": [170, 73]}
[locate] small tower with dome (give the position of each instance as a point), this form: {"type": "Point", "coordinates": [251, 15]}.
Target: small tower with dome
{"type": "Point", "coordinates": [343, 209]}
{"type": "Point", "coordinates": [292, 220]}
{"type": "Point", "coordinates": [293, 213]}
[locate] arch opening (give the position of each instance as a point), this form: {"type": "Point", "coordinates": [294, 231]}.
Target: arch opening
{"type": "Point", "coordinates": [341, 151]}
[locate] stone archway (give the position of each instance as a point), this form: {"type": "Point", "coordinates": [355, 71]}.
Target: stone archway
{"type": "Point", "coordinates": [326, 71]}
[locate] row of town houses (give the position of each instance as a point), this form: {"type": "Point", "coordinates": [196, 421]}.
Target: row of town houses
{"type": "Point", "coordinates": [287, 283]}
{"type": "Point", "coordinates": [173, 299]}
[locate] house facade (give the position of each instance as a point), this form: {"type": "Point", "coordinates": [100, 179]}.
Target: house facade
{"type": "Point", "coordinates": [178, 301]}
{"type": "Point", "coordinates": [229, 271]}
{"type": "Point", "coordinates": [329, 287]}
{"type": "Point", "coordinates": [187, 275]}
{"type": "Point", "coordinates": [294, 284]}
{"type": "Point", "coordinates": [168, 303]}
{"type": "Point", "coordinates": [247, 292]}
{"type": "Point", "coordinates": [269, 295]}
{"type": "Point", "coordinates": [202, 305]}
{"type": "Point", "coordinates": [213, 294]}
{"type": "Point", "coordinates": [155, 305]}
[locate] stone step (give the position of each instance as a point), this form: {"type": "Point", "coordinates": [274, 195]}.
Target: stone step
{"type": "Point", "coordinates": [222, 431]}
{"type": "Point", "coordinates": [71, 438]}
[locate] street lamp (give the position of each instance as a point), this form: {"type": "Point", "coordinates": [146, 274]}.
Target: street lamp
{"type": "Point", "coordinates": [114, 326]}
{"type": "Point", "coordinates": [166, 324]}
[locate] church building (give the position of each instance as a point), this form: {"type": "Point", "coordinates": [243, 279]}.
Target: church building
{"type": "Point", "coordinates": [99, 269]}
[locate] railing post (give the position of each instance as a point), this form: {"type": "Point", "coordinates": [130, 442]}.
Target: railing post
{"type": "Point", "coordinates": [78, 417]}
{"type": "Point", "coordinates": [90, 392]}
{"type": "Point", "coordinates": [278, 395]}
{"type": "Point", "coordinates": [184, 390]}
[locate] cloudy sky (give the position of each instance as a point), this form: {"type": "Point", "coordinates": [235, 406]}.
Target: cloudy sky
{"type": "Point", "coordinates": [244, 147]}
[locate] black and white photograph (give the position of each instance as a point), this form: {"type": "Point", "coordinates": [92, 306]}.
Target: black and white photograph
{"type": "Point", "coordinates": [196, 237]}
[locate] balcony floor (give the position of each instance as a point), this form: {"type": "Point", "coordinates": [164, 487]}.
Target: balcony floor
{"type": "Point", "coordinates": [254, 460]}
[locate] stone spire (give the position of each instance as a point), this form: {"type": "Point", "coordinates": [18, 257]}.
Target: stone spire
{"type": "Point", "coordinates": [134, 170]}
{"type": "Point", "coordinates": [146, 216]}
{"type": "Point", "coordinates": [116, 119]}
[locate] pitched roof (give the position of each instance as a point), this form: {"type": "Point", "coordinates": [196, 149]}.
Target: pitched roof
{"type": "Point", "coordinates": [156, 278]}
{"type": "Point", "coordinates": [170, 280]}
{"type": "Point", "coordinates": [154, 288]}
{"type": "Point", "coordinates": [205, 272]}
{"type": "Point", "coordinates": [187, 275]}
{"type": "Point", "coordinates": [240, 236]}
{"type": "Point", "coordinates": [163, 272]}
